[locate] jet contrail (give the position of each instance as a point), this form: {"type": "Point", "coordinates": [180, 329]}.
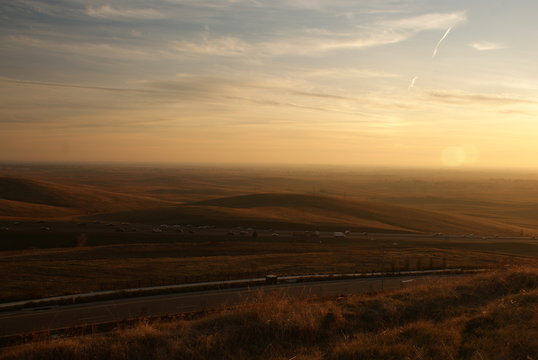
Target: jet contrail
{"type": "Point", "coordinates": [440, 41]}
{"type": "Point", "coordinates": [412, 84]}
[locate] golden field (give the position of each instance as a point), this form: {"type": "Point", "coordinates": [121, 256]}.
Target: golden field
{"type": "Point", "coordinates": [79, 259]}
{"type": "Point", "coordinates": [489, 316]}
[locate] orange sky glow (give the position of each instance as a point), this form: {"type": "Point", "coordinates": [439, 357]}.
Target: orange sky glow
{"type": "Point", "coordinates": [374, 82]}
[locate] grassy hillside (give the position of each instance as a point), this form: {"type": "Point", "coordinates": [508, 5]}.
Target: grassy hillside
{"type": "Point", "coordinates": [17, 209]}
{"type": "Point", "coordinates": [311, 211]}
{"type": "Point", "coordinates": [497, 197]}
{"type": "Point", "coordinates": [35, 198]}
{"type": "Point", "coordinates": [491, 316]}
{"type": "Point", "coordinates": [147, 260]}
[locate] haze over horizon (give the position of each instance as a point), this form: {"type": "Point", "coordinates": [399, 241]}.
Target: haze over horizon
{"type": "Point", "coordinates": [372, 82]}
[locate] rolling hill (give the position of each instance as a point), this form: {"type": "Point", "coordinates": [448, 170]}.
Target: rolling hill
{"type": "Point", "coordinates": [25, 198]}
{"type": "Point", "coordinates": [300, 211]}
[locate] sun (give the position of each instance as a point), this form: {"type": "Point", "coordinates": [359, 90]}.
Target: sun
{"type": "Point", "coordinates": [453, 156]}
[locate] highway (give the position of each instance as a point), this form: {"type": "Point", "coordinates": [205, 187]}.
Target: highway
{"type": "Point", "coordinates": [56, 317]}
{"type": "Point", "coordinates": [126, 230]}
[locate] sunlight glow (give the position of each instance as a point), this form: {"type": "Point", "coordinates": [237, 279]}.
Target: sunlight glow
{"type": "Point", "coordinates": [211, 79]}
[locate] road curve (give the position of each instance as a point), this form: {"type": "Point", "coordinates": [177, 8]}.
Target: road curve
{"type": "Point", "coordinates": [55, 317]}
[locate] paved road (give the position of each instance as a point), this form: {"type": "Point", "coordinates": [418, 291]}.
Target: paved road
{"type": "Point", "coordinates": [49, 318]}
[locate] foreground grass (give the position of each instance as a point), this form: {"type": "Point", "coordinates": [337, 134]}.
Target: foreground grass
{"type": "Point", "coordinates": [491, 316]}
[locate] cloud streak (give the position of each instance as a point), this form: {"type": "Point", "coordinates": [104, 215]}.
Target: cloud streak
{"type": "Point", "coordinates": [114, 13]}
{"type": "Point", "coordinates": [486, 46]}
{"type": "Point", "coordinates": [42, 83]}
{"type": "Point", "coordinates": [52, 44]}
{"type": "Point", "coordinates": [219, 46]}
{"type": "Point", "coordinates": [346, 73]}
{"type": "Point", "coordinates": [461, 97]}
{"type": "Point", "coordinates": [432, 21]}
{"type": "Point", "coordinates": [316, 41]}
{"type": "Point", "coordinates": [298, 45]}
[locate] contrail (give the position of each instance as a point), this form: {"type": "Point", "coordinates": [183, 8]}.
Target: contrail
{"type": "Point", "coordinates": [440, 41]}
{"type": "Point", "coordinates": [412, 84]}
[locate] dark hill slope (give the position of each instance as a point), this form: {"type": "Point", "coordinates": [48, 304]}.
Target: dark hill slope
{"type": "Point", "coordinates": [300, 210]}
{"type": "Point", "coordinates": [26, 196]}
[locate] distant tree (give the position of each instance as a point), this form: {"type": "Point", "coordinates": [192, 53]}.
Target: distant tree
{"type": "Point", "coordinates": [82, 239]}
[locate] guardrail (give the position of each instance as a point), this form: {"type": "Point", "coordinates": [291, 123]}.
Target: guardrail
{"type": "Point", "coordinates": [268, 280]}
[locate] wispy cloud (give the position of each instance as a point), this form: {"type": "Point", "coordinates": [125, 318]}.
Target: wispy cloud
{"type": "Point", "coordinates": [374, 38]}
{"type": "Point", "coordinates": [109, 12]}
{"type": "Point", "coordinates": [49, 8]}
{"type": "Point", "coordinates": [103, 50]}
{"type": "Point", "coordinates": [432, 21]}
{"type": "Point", "coordinates": [259, 90]}
{"type": "Point", "coordinates": [346, 73]}
{"type": "Point", "coordinates": [212, 3]}
{"type": "Point", "coordinates": [486, 45]}
{"type": "Point", "coordinates": [461, 97]}
{"type": "Point", "coordinates": [298, 45]}
{"type": "Point", "coordinates": [518, 112]}
{"type": "Point", "coordinates": [52, 84]}
{"type": "Point", "coordinates": [302, 41]}
{"type": "Point", "coordinates": [310, 41]}
{"type": "Point", "coordinates": [320, 95]}
{"type": "Point", "coordinates": [222, 46]}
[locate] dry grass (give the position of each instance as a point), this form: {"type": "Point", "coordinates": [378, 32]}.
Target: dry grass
{"type": "Point", "coordinates": [484, 201]}
{"type": "Point", "coordinates": [30, 198]}
{"type": "Point", "coordinates": [489, 317]}
{"type": "Point", "coordinates": [278, 210]}
{"type": "Point", "coordinates": [51, 272]}
{"type": "Point", "coordinates": [10, 209]}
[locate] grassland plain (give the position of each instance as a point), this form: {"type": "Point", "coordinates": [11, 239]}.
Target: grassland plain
{"type": "Point", "coordinates": [40, 273]}
{"type": "Point", "coordinates": [55, 262]}
{"type": "Point", "coordinates": [435, 200]}
{"type": "Point", "coordinates": [300, 211]}
{"type": "Point", "coordinates": [497, 196]}
{"type": "Point", "coordinates": [489, 316]}
{"type": "Point", "coordinates": [31, 199]}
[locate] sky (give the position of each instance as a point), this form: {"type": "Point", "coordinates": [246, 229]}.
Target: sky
{"type": "Point", "coordinates": [341, 82]}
